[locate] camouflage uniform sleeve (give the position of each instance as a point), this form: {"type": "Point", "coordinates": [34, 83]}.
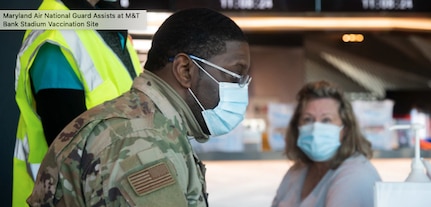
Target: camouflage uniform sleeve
{"type": "Point", "coordinates": [119, 162]}
{"type": "Point", "coordinates": [148, 179]}
{"type": "Point", "coordinates": [58, 182]}
{"type": "Point", "coordinates": [131, 169]}
{"type": "Point", "coordinates": [46, 183]}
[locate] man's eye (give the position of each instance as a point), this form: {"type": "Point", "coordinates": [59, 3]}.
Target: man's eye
{"type": "Point", "coordinates": [235, 80]}
{"type": "Point", "coordinates": [231, 78]}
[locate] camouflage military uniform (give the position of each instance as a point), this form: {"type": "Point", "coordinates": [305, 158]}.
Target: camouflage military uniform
{"type": "Point", "coordinates": [131, 151]}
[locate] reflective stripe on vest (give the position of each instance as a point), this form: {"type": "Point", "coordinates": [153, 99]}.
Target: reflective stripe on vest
{"type": "Point", "coordinates": [85, 63]}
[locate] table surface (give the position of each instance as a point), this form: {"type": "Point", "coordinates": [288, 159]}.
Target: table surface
{"type": "Point", "coordinates": [253, 183]}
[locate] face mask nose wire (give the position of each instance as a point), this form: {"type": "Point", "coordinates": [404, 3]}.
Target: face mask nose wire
{"type": "Point", "coordinates": [246, 82]}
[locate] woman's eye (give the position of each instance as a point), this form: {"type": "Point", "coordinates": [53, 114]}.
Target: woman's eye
{"type": "Point", "coordinates": [326, 120]}
{"type": "Point", "coordinates": [306, 120]}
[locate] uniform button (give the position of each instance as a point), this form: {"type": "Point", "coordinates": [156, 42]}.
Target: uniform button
{"type": "Point", "coordinates": [200, 198]}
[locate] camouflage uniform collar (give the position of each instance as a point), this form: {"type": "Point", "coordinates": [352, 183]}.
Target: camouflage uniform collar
{"type": "Point", "coordinates": [169, 102]}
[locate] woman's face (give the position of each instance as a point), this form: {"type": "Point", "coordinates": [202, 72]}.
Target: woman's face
{"type": "Point", "coordinates": [324, 110]}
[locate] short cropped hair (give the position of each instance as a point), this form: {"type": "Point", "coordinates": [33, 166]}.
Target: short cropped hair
{"type": "Point", "coordinates": [353, 140]}
{"type": "Point", "coordinates": [198, 31]}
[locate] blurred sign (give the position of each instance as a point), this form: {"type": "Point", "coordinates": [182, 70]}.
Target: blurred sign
{"type": "Point", "coordinates": [247, 4]}
{"type": "Point", "coordinates": [289, 5]}
{"type": "Point", "coordinates": [387, 4]}
{"type": "Point", "coordinates": [374, 119]}
{"type": "Point", "coordinates": [376, 5]}
{"type": "Point", "coordinates": [279, 116]}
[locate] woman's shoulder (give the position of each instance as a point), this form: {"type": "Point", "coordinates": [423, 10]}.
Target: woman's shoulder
{"type": "Point", "coordinates": [295, 172]}
{"type": "Point", "coordinates": [355, 160]}
{"type": "Point", "coordinates": [358, 165]}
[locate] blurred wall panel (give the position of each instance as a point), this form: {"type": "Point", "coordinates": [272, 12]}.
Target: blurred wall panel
{"type": "Point", "coordinates": [278, 74]}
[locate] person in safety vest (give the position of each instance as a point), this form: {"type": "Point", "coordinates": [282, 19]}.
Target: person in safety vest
{"type": "Point", "coordinates": [135, 149]}
{"type": "Point", "coordinates": [59, 75]}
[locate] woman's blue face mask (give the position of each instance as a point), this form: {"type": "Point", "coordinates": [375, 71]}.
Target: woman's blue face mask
{"type": "Point", "coordinates": [319, 141]}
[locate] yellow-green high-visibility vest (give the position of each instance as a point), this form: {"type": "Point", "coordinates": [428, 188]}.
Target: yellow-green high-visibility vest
{"type": "Point", "coordinates": [99, 69]}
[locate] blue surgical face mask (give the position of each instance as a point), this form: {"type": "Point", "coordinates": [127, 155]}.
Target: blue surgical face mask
{"type": "Point", "coordinates": [230, 110]}
{"type": "Point", "coordinates": [319, 141]}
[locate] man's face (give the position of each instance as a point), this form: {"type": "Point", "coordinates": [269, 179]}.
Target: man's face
{"type": "Point", "coordinates": [236, 59]}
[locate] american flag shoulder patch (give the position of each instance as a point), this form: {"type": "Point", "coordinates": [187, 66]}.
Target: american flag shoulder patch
{"type": "Point", "coordinates": [151, 179]}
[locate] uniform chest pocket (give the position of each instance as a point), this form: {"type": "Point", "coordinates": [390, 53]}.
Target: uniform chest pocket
{"type": "Point", "coordinates": [150, 180]}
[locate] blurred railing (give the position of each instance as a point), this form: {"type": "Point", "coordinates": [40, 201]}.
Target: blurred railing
{"type": "Point", "coordinates": [254, 155]}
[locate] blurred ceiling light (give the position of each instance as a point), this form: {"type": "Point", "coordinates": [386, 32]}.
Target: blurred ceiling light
{"type": "Point", "coordinates": [281, 23]}
{"type": "Point", "coordinates": [333, 23]}
{"type": "Point", "coordinates": [352, 37]}
{"type": "Point", "coordinates": [154, 20]}
{"type": "Point", "coordinates": [305, 23]}
{"type": "Point", "coordinates": [142, 45]}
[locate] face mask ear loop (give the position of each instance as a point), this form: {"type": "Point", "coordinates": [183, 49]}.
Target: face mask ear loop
{"type": "Point", "coordinates": [196, 99]}
{"type": "Point", "coordinates": [200, 67]}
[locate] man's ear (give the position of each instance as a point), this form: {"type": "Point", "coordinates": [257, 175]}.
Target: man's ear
{"type": "Point", "coordinates": [183, 69]}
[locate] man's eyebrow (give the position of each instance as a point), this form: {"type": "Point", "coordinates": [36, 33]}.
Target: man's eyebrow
{"type": "Point", "coordinates": [240, 66]}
